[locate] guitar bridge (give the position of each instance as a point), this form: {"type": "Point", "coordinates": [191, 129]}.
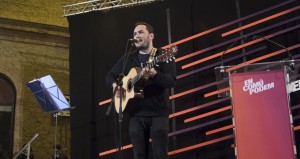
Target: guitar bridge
{"type": "Point", "coordinates": [139, 93]}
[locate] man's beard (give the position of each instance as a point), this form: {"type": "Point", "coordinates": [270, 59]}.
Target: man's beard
{"type": "Point", "coordinates": [145, 46]}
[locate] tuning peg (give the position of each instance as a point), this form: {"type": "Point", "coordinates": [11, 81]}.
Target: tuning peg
{"type": "Point", "coordinates": [156, 65]}
{"type": "Point", "coordinates": [173, 58]}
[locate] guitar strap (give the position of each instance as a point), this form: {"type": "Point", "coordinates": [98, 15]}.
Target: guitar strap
{"type": "Point", "coordinates": [152, 54]}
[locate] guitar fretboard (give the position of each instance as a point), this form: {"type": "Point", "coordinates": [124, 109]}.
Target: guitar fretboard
{"type": "Point", "coordinates": [167, 56]}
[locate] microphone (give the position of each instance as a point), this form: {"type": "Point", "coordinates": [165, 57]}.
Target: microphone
{"type": "Point", "coordinates": [222, 68]}
{"type": "Point", "coordinates": [292, 64]}
{"type": "Point", "coordinates": [271, 41]}
{"type": "Point", "coordinates": [134, 40]}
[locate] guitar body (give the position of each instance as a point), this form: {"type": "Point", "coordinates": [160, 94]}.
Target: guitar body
{"type": "Point", "coordinates": [131, 91]}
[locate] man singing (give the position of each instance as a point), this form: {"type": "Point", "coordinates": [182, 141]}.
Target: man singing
{"type": "Point", "coordinates": [149, 116]}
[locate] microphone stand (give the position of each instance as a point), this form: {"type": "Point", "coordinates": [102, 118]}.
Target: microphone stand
{"type": "Point", "coordinates": [119, 85]}
{"type": "Point", "coordinates": [120, 77]}
{"type": "Point", "coordinates": [222, 68]}
{"type": "Point", "coordinates": [290, 58]}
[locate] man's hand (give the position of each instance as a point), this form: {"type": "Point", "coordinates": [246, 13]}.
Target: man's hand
{"type": "Point", "coordinates": [148, 72]}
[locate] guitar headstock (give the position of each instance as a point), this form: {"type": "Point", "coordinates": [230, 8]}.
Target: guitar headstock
{"type": "Point", "coordinates": [168, 54]}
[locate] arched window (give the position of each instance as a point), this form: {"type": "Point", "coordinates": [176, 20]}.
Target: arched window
{"type": "Point", "coordinates": [7, 107]}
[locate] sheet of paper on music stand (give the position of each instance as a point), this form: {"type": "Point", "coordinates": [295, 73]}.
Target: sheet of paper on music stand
{"type": "Point", "coordinates": [48, 94]}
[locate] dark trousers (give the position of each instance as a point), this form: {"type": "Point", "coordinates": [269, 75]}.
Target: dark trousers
{"type": "Point", "coordinates": [141, 129]}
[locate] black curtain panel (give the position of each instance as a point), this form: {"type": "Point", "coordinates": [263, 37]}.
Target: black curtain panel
{"type": "Point", "coordinates": [99, 38]}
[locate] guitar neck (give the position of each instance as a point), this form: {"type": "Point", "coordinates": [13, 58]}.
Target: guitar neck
{"type": "Point", "coordinates": [165, 57]}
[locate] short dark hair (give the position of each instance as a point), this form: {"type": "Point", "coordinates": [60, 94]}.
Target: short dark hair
{"type": "Point", "coordinates": [148, 26]}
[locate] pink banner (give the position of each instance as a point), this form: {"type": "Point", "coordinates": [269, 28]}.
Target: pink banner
{"type": "Point", "coordinates": [262, 116]}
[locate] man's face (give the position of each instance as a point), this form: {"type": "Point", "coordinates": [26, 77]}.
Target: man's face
{"type": "Point", "coordinates": [141, 33]}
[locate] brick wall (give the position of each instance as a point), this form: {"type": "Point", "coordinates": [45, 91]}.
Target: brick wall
{"type": "Point", "coordinates": [38, 11]}
{"type": "Point", "coordinates": [34, 43]}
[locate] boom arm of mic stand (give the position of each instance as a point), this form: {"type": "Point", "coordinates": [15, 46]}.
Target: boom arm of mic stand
{"type": "Point", "coordinates": [120, 78]}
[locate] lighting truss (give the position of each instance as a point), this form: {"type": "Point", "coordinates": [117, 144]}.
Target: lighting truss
{"type": "Point", "coordinates": [97, 5]}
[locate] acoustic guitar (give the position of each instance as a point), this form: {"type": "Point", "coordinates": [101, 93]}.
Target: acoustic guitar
{"type": "Point", "coordinates": [135, 75]}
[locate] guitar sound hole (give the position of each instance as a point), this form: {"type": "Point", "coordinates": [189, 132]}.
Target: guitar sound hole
{"type": "Point", "coordinates": [129, 85]}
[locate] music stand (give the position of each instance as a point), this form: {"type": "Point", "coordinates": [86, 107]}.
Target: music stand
{"type": "Point", "coordinates": [27, 146]}
{"type": "Point", "coordinates": [49, 96]}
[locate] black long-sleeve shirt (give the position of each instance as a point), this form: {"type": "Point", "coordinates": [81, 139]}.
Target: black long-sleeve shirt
{"type": "Point", "coordinates": [156, 89]}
